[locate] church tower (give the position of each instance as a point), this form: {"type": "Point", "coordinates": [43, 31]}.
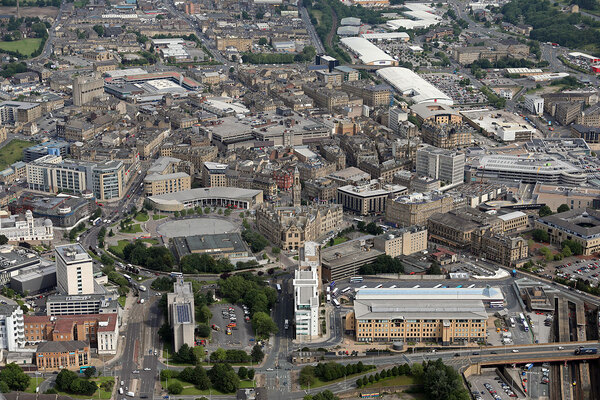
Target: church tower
{"type": "Point", "coordinates": [296, 188]}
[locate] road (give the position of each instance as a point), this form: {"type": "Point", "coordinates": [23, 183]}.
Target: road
{"type": "Point", "coordinates": [311, 30]}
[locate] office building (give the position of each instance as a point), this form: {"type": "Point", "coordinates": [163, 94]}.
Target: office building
{"type": "Point", "coordinates": [54, 147]}
{"type": "Point", "coordinates": [229, 245]}
{"type": "Point", "coordinates": [444, 316]}
{"type": "Point", "coordinates": [100, 330]}
{"type": "Point", "coordinates": [367, 198]}
{"type": "Point", "coordinates": [166, 176]}
{"type": "Point", "coordinates": [35, 279]}
{"type": "Point", "coordinates": [54, 356]}
{"type": "Point", "coordinates": [396, 117]}
{"type": "Point", "coordinates": [446, 136]}
{"type": "Point", "coordinates": [87, 89]}
{"type": "Point", "coordinates": [12, 331]}
{"type": "Point", "coordinates": [534, 104]}
{"type": "Point", "coordinates": [289, 227]}
{"type": "Point", "coordinates": [74, 271]}
{"type": "Point", "coordinates": [306, 303]}
{"type": "Point", "coordinates": [60, 304]}
{"type": "Point", "coordinates": [180, 306]}
{"type": "Point", "coordinates": [344, 260]}
{"type": "Point", "coordinates": [416, 208]}
{"type": "Point", "coordinates": [63, 210]}
{"type": "Point", "coordinates": [19, 112]}
{"type": "Point", "coordinates": [208, 197]}
{"type": "Point", "coordinates": [214, 174]}
{"type": "Point", "coordinates": [402, 242]}
{"type": "Point", "coordinates": [446, 165]}
{"type": "Point", "coordinates": [581, 225]}
{"type": "Point", "coordinates": [437, 113]}
{"type": "Point", "coordinates": [25, 228]}
{"type": "Point", "coordinates": [509, 251]}
{"type": "Point", "coordinates": [454, 228]}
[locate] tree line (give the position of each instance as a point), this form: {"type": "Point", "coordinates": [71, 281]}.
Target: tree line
{"type": "Point", "coordinates": [330, 371]}
{"type": "Point", "coordinates": [383, 264]}
{"type": "Point", "coordinates": [221, 377]}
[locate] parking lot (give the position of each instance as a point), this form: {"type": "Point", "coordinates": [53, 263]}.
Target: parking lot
{"type": "Point", "coordinates": [490, 386]}
{"type": "Point", "coordinates": [241, 334]}
{"type": "Point", "coordinates": [584, 269]}
{"type": "Point", "coordinates": [451, 85]}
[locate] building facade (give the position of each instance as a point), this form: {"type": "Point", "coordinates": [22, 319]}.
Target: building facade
{"type": "Point", "coordinates": [54, 356]}
{"type": "Point", "coordinates": [306, 303]}
{"type": "Point", "coordinates": [180, 306]}
{"type": "Point", "coordinates": [25, 228]}
{"type": "Point", "coordinates": [402, 242]}
{"type": "Point", "coordinates": [369, 198]}
{"type": "Point", "coordinates": [87, 89]}
{"type": "Point", "coordinates": [74, 270]}
{"type": "Point", "coordinates": [12, 331]}
{"type": "Point", "coordinates": [446, 165]}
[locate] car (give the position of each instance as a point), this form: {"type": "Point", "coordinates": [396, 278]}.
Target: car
{"type": "Point", "coordinates": [493, 352]}
{"type": "Point", "coordinates": [135, 371]}
{"type": "Point", "coordinates": [475, 353]}
{"type": "Point", "coordinates": [515, 350]}
{"type": "Point", "coordinates": [456, 355]}
{"type": "Point", "coordinates": [270, 369]}
{"type": "Point", "coordinates": [561, 348]}
{"type": "Point", "coordinates": [147, 369]}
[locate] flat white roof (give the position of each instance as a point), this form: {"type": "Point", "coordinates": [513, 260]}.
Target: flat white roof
{"type": "Point", "coordinates": [485, 293]}
{"type": "Point", "coordinates": [118, 73]}
{"type": "Point", "coordinates": [367, 52]}
{"type": "Point", "coordinates": [386, 36]}
{"type": "Point", "coordinates": [410, 84]}
{"type": "Point", "coordinates": [511, 215]}
{"type": "Point", "coordinates": [420, 15]}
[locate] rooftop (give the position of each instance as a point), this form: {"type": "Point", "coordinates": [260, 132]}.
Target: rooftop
{"type": "Point", "coordinates": [72, 253]}
{"type": "Point", "coordinates": [411, 85]}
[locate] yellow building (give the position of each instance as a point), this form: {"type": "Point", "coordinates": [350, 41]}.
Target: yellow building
{"type": "Point", "coordinates": [446, 316]}
{"type": "Point", "coordinates": [579, 225]}
{"type": "Point", "coordinates": [402, 242]}
{"type": "Point", "coordinates": [214, 174]}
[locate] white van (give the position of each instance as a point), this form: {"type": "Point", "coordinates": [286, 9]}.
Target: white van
{"type": "Point", "coordinates": [120, 390]}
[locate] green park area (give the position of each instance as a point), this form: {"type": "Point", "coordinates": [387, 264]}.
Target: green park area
{"type": "Point", "coordinates": [13, 151]}
{"type": "Point", "coordinates": [23, 46]}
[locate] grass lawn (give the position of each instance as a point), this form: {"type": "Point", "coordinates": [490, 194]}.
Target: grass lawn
{"type": "Point", "coordinates": [141, 217]}
{"type": "Point", "coordinates": [118, 250]}
{"type": "Point", "coordinates": [338, 240]}
{"type": "Point", "coordinates": [33, 384]}
{"type": "Point", "coordinates": [151, 241]}
{"type": "Point", "coordinates": [319, 383]}
{"type": "Point", "coordinates": [156, 217]}
{"type": "Point", "coordinates": [103, 394]}
{"type": "Point", "coordinates": [393, 381]}
{"type": "Point", "coordinates": [13, 151]}
{"type": "Point", "coordinates": [135, 228]}
{"type": "Point", "coordinates": [122, 300]}
{"type": "Point", "coordinates": [24, 46]}
{"type": "Point", "coordinates": [190, 390]}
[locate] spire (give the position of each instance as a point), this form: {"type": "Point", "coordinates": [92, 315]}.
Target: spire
{"type": "Point", "coordinates": [296, 189]}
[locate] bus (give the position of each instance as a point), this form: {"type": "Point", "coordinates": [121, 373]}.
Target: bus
{"type": "Point", "coordinates": [496, 304]}
{"type": "Point", "coordinates": [328, 290]}
{"type": "Point", "coordinates": [368, 395]}
{"type": "Point", "coordinates": [97, 221]}
{"type": "Point", "coordinates": [393, 287]}
{"type": "Point", "coordinates": [459, 286]}
{"type": "Point", "coordinates": [335, 292]}
{"type": "Point", "coordinates": [278, 286]}
{"type": "Point", "coordinates": [83, 368]}
{"type": "Point", "coordinates": [358, 220]}
{"type": "Point", "coordinates": [528, 367]}
{"type": "Point", "coordinates": [336, 303]}
{"type": "Point", "coordinates": [332, 284]}
{"type": "Point", "coordinates": [176, 275]}
{"type": "Point", "coordinates": [127, 277]}
{"type": "Point", "coordinates": [437, 286]}
{"type": "Point", "coordinates": [356, 279]}
{"type": "Point", "coordinates": [525, 327]}
{"type": "Point", "coordinates": [328, 298]}
{"type": "Point", "coordinates": [378, 286]}
{"type": "Point", "coordinates": [363, 287]}
{"type": "Point", "coordinates": [584, 350]}
{"type": "Point", "coordinates": [346, 290]}
{"type": "Point", "coordinates": [512, 322]}
{"type": "Point", "coordinates": [522, 318]}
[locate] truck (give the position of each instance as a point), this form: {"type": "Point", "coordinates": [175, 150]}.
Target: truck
{"type": "Point", "coordinates": [286, 324]}
{"type": "Point", "coordinates": [142, 288]}
{"type": "Point", "coordinates": [130, 394]}
{"type": "Point", "coordinates": [586, 350]}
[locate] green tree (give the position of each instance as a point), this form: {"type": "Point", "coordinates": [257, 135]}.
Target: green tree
{"type": "Point", "coordinates": [540, 235]}
{"type": "Point", "coordinates": [203, 330]}
{"type": "Point", "coordinates": [263, 325]}
{"type": "Point", "coordinates": [566, 252]}
{"type": "Point", "coordinates": [257, 354]}
{"type": "Point", "coordinates": [251, 373]}
{"type": "Point", "coordinates": [562, 208]}
{"type": "Point", "coordinates": [576, 247]}
{"type": "Point", "coordinates": [14, 377]}
{"type": "Point", "coordinates": [242, 373]}
{"type": "Point", "coordinates": [89, 372]}
{"type": "Point", "coordinates": [4, 387]}
{"type": "Point", "coordinates": [434, 269]}
{"type": "Point", "coordinates": [224, 378]}
{"type": "Point", "coordinates": [544, 211]}
{"type": "Point", "coordinates": [175, 388]}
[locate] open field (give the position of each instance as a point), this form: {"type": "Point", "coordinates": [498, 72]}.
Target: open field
{"type": "Point", "coordinates": [30, 11]}
{"type": "Point", "coordinates": [24, 46]}
{"type": "Point", "coordinates": [13, 151]}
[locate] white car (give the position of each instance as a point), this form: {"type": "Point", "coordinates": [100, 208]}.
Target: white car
{"type": "Point", "coordinates": [515, 350]}
{"type": "Point", "coordinates": [560, 348]}
{"type": "Point", "coordinates": [147, 369]}
{"type": "Point", "coordinates": [135, 372]}
{"type": "Point", "coordinates": [270, 369]}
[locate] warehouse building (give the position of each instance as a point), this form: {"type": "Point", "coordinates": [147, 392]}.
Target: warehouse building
{"type": "Point", "coordinates": [220, 245]}
{"type": "Point", "coordinates": [367, 52]}
{"type": "Point", "coordinates": [446, 315]}
{"type": "Point", "coordinates": [412, 87]}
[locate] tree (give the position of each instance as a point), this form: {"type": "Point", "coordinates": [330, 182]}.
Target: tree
{"type": "Point", "coordinates": [262, 41]}
{"type": "Point", "coordinates": [14, 377]}
{"type": "Point", "coordinates": [3, 240]}
{"type": "Point", "coordinates": [89, 372]}
{"type": "Point", "coordinates": [242, 372]}
{"type": "Point", "coordinates": [203, 330]}
{"type": "Point", "coordinates": [544, 211]}
{"type": "Point", "coordinates": [251, 373]}
{"type": "Point", "coordinates": [563, 208]}
{"type": "Point", "coordinates": [434, 269]}
{"type": "Point", "coordinates": [263, 325]}
{"type": "Point", "coordinates": [224, 378]}
{"type": "Point", "coordinates": [175, 388]}
{"type": "Point", "coordinates": [4, 387]}
{"type": "Point", "coordinates": [576, 248]}
{"type": "Point", "coordinates": [566, 252]}
{"type": "Point", "coordinates": [257, 354]}
{"type": "Point", "coordinates": [540, 235]}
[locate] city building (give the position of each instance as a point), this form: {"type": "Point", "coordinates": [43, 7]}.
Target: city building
{"type": "Point", "coordinates": [164, 177]}
{"type": "Point", "coordinates": [61, 304]}
{"type": "Point", "coordinates": [12, 332]}
{"type": "Point", "coordinates": [510, 251]}
{"type": "Point", "coordinates": [454, 228]}
{"type": "Point", "coordinates": [54, 356]}
{"type": "Point", "coordinates": [180, 306]}
{"type": "Point", "coordinates": [445, 316]}
{"type": "Point", "coordinates": [74, 270]}
{"type": "Point", "coordinates": [229, 245]}
{"type": "Point", "coordinates": [344, 260]}
{"type": "Point", "coordinates": [64, 211]}
{"type": "Point", "coordinates": [233, 197]}
{"type": "Point", "coordinates": [101, 331]}
{"type": "Point", "coordinates": [581, 225]}
{"type": "Point", "coordinates": [534, 104]}
{"type": "Point", "coordinates": [26, 228]}
{"type": "Point", "coordinates": [402, 242]}
{"type": "Point", "coordinates": [437, 113]}
{"type": "Point", "coordinates": [416, 208]}
{"type": "Point", "coordinates": [535, 168]}
{"type": "Point", "coordinates": [290, 227]}
{"type": "Point", "coordinates": [87, 89]}
{"type": "Point", "coordinates": [214, 174]}
{"type": "Point", "coordinates": [446, 136]}
{"type": "Point", "coordinates": [372, 95]}
{"type": "Point", "coordinates": [367, 198]}
{"type": "Point", "coordinates": [590, 116]}
{"type": "Point", "coordinates": [306, 303]}
{"type": "Point", "coordinates": [35, 279]}
{"type": "Point", "coordinates": [396, 117]}
{"type": "Point", "coordinates": [446, 165]}
{"type": "Point", "coordinates": [55, 147]}
{"type": "Point", "coordinates": [412, 87]}
{"type": "Point", "coordinates": [367, 52]}
{"type": "Point", "coordinates": [19, 112]}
